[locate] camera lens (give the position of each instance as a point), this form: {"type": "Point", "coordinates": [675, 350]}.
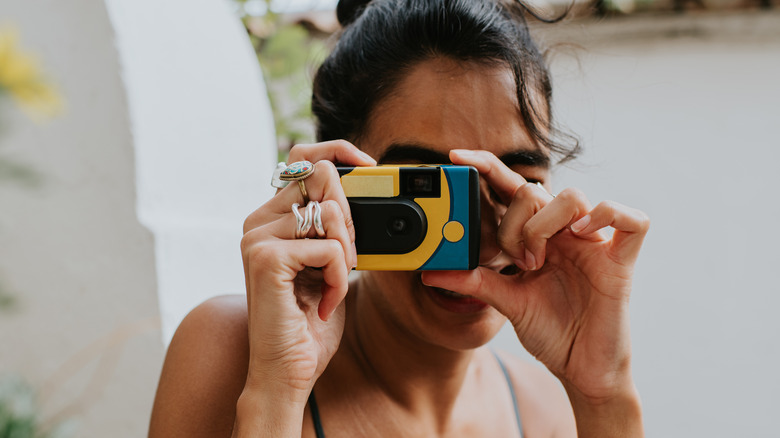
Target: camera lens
{"type": "Point", "coordinates": [398, 225]}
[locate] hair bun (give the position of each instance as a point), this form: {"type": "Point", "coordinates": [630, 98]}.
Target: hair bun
{"type": "Point", "coordinates": [347, 11]}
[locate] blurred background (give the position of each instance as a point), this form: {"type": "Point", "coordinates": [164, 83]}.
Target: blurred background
{"type": "Point", "coordinates": [136, 136]}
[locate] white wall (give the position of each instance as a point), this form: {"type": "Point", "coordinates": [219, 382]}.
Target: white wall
{"type": "Point", "coordinates": [166, 145]}
{"type": "Point", "coordinates": [85, 331]}
{"type": "Point", "coordinates": [679, 119]}
{"type": "Point", "coordinates": [204, 141]}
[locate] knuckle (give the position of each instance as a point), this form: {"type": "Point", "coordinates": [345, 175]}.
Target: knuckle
{"type": "Point", "coordinates": [530, 230]}
{"type": "Point", "coordinates": [571, 194]}
{"type": "Point", "coordinates": [486, 154]}
{"type": "Point", "coordinates": [343, 144]}
{"type": "Point", "coordinates": [327, 167]}
{"type": "Point", "coordinates": [246, 243]}
{"type": "Point", "coordinates": [298, 152]}
{"type": "Point", "coordinates": [250, 240]}
{"type": "Point", "coordinates": [529, 192]}
{"type": "Point", "coordinates": [491, 161]}
{"type": "Point", "coordinates": [334, 248]}
{"type": "Point", "coordinates": [608, 207]}
{"type": "Point", "coordinates": [507, 240]}
{"type": "Point", "coordinates": [248, 225]}
{"type": "Point", "coordinates": [331, 211]}
{"type": "Point", "coordinates": [525, 191]}
{"type": "Point", "coordinates": [254, 220]}
{"type": "Point", "coordinates": [261, 253]}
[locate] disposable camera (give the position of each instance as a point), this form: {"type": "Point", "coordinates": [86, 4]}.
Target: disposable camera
{"type": "Point", "coordinates": [414, 217]}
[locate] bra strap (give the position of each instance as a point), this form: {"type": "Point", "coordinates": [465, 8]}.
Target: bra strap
{"type": "Point", "coordinates": [315, 416]}
{"type": "Point", "coordinates": [511, 391]}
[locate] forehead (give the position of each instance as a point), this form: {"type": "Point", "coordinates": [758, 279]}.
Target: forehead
{"type": "Point", "coordinates": [442, 104]}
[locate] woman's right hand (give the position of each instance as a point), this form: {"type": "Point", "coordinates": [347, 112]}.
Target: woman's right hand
{"type": "Point", "coordinates": [296, 314]}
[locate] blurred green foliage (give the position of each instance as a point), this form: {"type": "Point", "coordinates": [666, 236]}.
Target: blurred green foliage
{"type": "Point", "coordinates": [288, 55]}
{"type": "Point", "coordinates": [11, 171]}
{"type": "Point", "coordinates": [7, 300]}
{"type": "Point", "coordinates": [20, 413]}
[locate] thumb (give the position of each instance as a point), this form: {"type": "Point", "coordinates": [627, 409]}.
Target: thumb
{"type": "Point", "coordinates": [502, 292]}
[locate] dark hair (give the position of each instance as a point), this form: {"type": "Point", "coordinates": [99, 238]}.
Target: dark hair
{"type": "Point", "coordinates": [383, 39]}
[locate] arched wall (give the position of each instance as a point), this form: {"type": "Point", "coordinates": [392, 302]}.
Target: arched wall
{"type": "Point", "coordinates": [165, 145]}
{"type": "Point", "coordinates": [204, 141]}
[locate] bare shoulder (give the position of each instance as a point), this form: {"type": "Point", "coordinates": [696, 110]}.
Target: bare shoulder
{"type": "Point", "coordinates": [544, 406]}
{"type": "Point", "coordinates": [204, 371]}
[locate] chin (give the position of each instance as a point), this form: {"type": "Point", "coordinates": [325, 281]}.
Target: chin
{"type": "Point", "coordinates": [436, 316]}
{"type": "Point", "coordinates": [463, 334]}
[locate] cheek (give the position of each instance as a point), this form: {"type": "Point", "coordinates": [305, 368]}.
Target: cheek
{"type": "Point", "coordinates": [393, 287]}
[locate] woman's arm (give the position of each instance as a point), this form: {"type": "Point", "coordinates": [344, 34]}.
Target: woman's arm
{"type": "Point", "coordinates": [204, 372]}
{"type": "Point", "coordinates": [202, 386]}
{"type": "Point", "coordinates": [618, 416]}
{"type": "Point", "coordinates": [248, 369]}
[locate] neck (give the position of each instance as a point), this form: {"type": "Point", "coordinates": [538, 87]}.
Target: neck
{"type": "Point", "coordinates": [412, 373]}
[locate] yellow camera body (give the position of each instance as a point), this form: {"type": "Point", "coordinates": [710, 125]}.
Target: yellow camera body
{"type": "Point", "coordinates": [414, 217]}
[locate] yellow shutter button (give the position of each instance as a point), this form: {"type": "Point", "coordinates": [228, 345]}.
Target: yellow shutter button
{"type": "Point", "coordinates": [453, 231]}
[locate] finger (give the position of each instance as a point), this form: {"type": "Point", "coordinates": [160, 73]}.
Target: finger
{"type": "Point", "coordinates": [569, 206]}
{"type": "Point", "coordinates": [527, 201]}
{"type": "Point", "coordinates": [322, 185]}
{"type": "Point", "coordinates": [336, 151]}
{"type": "Point", "coordinates": [502, 179]}
{"type": "Point", "coordinates": [631, 226]}
{"type": "Point", "coordinates": [484, 284]}
{"type": "Point", "coordinates": [270, 264]}
{"type": "Point", "coordinates": [332, 223]}
{"type": "Point", "coordinates": [325, 254]}
{"type": "Point", "coordinates": [328, 255]}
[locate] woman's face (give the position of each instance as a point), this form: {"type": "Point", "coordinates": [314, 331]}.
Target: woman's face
{"type": "Point", "coordinates": [442, 105]}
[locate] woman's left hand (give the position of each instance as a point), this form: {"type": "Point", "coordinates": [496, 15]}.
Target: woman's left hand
{"type": "Point", "coordinates": [569, 303]}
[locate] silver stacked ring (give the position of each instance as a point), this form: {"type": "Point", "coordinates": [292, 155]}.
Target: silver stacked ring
{"type": "Point", "coordinates": [312, 216]}
{"type": "Point", "coordinates": [317, 218]}
{"type": "Point", "coordinates": [303, 224]}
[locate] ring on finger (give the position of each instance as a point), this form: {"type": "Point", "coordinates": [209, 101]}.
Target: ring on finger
{"type": "Point", "coordinates": [302, 224]}
{"type": "Point", "coordinates": [316, 217]}
{"type": "Point", "coordinates": [298, 171]}
{"type": "Point", "coordinates": [276, 181]}
{"type": "Point", "coordinates": [539, 184]}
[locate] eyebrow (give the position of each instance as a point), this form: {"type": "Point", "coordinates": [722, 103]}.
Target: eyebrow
{"type": "Point", "coordinates": [533, 158]}
{"type": "Point", "coordinates": [407, 152]}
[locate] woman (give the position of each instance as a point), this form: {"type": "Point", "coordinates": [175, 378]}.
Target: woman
{"type": "Point", "coordinates": [308, 353]}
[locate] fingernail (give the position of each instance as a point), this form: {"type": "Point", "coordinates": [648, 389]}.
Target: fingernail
{"type": "Point", "coordinates": [520, 264]}
{"type": "Point", "coordinates": [581, 224]}
{"type": "Point", "coordinates": [530, 260]}
{"type": "Point", "coordinates": [354, 255]}
{"type": "Point", "coordinates": [367, 157]}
